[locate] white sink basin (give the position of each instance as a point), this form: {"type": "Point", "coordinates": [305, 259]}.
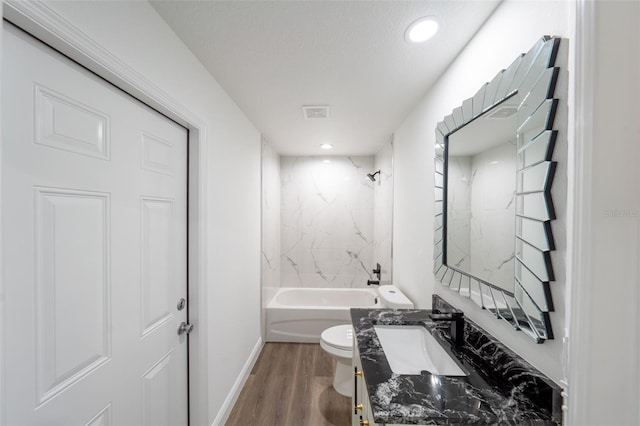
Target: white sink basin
{"type": "Point", "coordinates": [411, 348]}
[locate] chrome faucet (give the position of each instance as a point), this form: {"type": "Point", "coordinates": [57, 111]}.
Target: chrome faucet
{"type": "Point", "coordinates": [456, 319]}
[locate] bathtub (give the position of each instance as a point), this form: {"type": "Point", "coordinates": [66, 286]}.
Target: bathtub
{"type": "Point", "coordinates": [301, 314]}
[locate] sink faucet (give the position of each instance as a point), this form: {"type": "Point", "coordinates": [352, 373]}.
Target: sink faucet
{"type": "Point", "coordinates": [456, 319]}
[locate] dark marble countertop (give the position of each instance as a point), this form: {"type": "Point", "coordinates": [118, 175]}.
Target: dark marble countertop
{"type": "Point", "coordinates": [514, 393]}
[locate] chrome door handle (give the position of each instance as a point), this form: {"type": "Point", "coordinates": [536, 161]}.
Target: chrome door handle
{"type": "Point", "coordinates": [185, 328]}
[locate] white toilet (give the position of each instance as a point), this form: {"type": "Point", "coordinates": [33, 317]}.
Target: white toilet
{"type": "Point", "coordinates": [337, 341]}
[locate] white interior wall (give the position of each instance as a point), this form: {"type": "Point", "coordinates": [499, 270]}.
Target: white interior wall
{"type": "Point", "coordinates": [604, 340]}
{"type": "Point", "coordinates": [513, 28]}
{"type": "Point", "coordinates": [135, 33]}
{"type": "Point", "coordinates": [2, 296]}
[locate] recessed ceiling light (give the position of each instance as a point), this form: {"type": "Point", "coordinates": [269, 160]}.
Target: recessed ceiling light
{"type": "Point", "coordinates": [326, 146]}
{"type": "Point", "coordinates": [422, 29]}
{"type": "Point", "coordinates": [326, 161]}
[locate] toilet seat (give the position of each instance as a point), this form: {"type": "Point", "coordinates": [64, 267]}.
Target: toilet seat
{"type": "Point", "coordinates": [339, 337]}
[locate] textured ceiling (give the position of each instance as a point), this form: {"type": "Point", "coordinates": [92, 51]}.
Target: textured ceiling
{"type": "Point", "coordinates": [272, 57]}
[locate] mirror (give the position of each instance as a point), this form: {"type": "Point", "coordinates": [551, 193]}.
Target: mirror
{"type": "Point", "coordinates": [493, 208]}
{"type": "Point", "coordinates": [480, 204]}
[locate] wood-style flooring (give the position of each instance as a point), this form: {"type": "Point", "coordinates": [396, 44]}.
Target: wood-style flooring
{"type": "Point", "coordinates": [291, 385]}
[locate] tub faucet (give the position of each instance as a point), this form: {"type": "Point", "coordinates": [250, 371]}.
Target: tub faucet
{"type": "Point", "coordinates": [373, 282]}
{"type": "Point", "coordinates": [456, 319]}
{"type": "Point", "coordinates": [378, 271]}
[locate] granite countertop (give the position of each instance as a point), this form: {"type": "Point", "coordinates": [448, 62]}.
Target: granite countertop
{"type": "Point", "coordinates": [516, 394]}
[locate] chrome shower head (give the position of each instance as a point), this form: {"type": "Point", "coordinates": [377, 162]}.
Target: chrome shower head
{"type": "Point", "coordinates": [372, 176]}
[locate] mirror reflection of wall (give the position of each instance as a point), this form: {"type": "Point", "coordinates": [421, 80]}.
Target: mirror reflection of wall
{"type": "Point", "coordinates": [481, 185]}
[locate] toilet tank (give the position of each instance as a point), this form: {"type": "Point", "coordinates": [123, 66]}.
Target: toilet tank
{"type": "Point", "coordinates": [392, 297]}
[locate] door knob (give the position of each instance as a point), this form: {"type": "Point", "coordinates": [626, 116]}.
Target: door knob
{"type": "Point", "coordinates": [185, 328]}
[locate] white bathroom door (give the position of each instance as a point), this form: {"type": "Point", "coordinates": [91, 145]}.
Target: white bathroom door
{"type": "Point", "coordinates": [94, 222]}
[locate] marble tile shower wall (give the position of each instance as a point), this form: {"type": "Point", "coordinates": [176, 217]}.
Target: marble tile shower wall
{"type": "Point", "coordinates": [459, 175]}
{"type": "Point", "coordinates": [270, 221]}
{"type": "Point", "coordinates": [481, 202]}
{"type": "Point", "coordinates": [493, 213]}
{"type": "Point", "coordinates": [326, 221]}
{"type": "Point", "coordinates": [383, 211]}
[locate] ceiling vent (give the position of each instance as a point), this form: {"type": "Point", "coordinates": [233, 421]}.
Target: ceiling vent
{"type": "Point", "coordinates": [315, 111]}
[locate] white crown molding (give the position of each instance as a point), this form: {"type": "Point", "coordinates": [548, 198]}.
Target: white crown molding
{"type": "Point", "coordinates": [41, 21]}
{"type": "Point", "coordinates": [37, 18]}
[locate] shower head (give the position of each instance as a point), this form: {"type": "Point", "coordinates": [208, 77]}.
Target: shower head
{"type": "Point", "coordinates": [372, 176]}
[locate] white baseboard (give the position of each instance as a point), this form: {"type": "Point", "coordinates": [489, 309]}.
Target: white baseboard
{"type": "Point", "coordinates": [230, 401]}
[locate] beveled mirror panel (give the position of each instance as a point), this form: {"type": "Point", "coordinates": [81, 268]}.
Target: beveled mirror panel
{"type": "Point", "coordinates": [493, 205]}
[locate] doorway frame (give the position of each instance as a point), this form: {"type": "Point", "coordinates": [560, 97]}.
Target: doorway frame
{"type": "Point", "coordinates": [43, 23]}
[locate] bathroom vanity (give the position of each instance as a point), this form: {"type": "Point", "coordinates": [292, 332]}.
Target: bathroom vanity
{"type": "Point", "coordinates": [492, 386]}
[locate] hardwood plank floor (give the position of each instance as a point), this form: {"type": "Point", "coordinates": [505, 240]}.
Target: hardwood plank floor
{"type": "Point", "coordinates": [291, 385]}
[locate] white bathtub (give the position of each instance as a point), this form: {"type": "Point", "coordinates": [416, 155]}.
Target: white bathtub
{"type": "Point", "coordinates": [301, 314]}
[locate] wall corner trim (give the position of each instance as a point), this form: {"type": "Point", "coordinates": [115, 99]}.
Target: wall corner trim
{"type": "Point", "coordinates": [579, 297]}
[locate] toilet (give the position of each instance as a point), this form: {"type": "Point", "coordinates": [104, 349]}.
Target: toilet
{"type": "Point", "coordinates": [337, 341]}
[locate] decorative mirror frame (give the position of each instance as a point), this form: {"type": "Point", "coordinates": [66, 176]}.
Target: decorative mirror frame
{"type": "Point", "coordinates": [532, 78]}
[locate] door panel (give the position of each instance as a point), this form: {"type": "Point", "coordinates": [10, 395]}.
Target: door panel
{"type": "Point", "coordinates": [156, 391]}
{"type": "Point", "coordinates": [157, 155]}
{"type": "Point", "coordinates": [157, 247]}
{"type": "Point", "coordinates": [103, 418]}
{"type": "Point", "coordinates": [94, 247]}
{"type": "Point", "coordinates": [70, 225]}
{"type": "Point", "coordinates": [64, 123]}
